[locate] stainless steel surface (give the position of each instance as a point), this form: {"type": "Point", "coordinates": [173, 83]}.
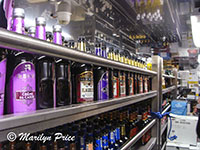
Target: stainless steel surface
{"type": "Point", "coordinates": [49, 118]}
{"type": "Point", "coordinates": [168, 89]}
{"type": "Point", "coordinates": [149, 145]}
{"type": "Point", "coordinates": [168, 76]}
{"type": "Point", "coordinates": [138, 136]}
{"type": "Point", "coordinates": [163, 127]}
{"type": "Point", "coordinates": [166, 109]}
{"type": "Point", "coordinates": [164, 145]}
{"type": "Point", "coordinates": [16, 41]}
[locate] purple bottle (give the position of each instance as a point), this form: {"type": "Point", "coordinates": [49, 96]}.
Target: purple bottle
{"type": "Point", "coordinates": [101, 87]}
{"type": "Point", "coordinates": [22, 92]}
{"type": "Point", "coordinates": [62, 73]}
{"type": "Point", "coordinates": [3, 62]}
{"type": "Point", "coordinates": [44, 71]}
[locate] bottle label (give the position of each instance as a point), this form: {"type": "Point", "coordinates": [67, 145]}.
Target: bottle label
{"type": "Point", "coordinates": [115, 87]}
{"type": "Point", "coordinates": [133, 132]}
{"type": "Point", "coordinates": [23, 84]}
{"type": "Point", "coordinates": [145, 85]}
{"type": "Point", "coordinates": [123, 130]}
{"type": "Point", "coordinates": [98, 144]}
{"type": "Point", "coordinates": [2, 84]}
{"type": "Point", "coordinates": [131, 86]}
{"type": "Point", "coordinates": [57, 38]}
{"type": "Point", "coordinates": [103, 87]}
{"type": "Point", "coordinates": [112, 137]}
{"type": "Point", "coordinates": [122, 85]}
{"type": "Point", "coordinates": [105, 141]}
{"type": "Point", "coordinates": [141, 85]}
{"type": "Point", "coordinates": [86, 86]}
{"type": "Point", "coordinates": [40, 32]}
{"type": "Point", "coordinates": [18, 25]}
{"type": "Point", "coordinates": [89, 146]}
{"type": "Point", "coordinates": [117, 133]}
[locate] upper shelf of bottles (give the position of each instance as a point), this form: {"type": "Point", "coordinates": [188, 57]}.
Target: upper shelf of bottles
{"type": "Point", "coordinates": [28, 44]}
{"type": "Point", "coordinates": [169, 89]}
{"type": "Point", "coordinates": [42, 119]}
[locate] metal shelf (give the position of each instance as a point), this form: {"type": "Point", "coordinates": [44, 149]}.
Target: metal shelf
{"type": "Point", "coordinates": [149, 145]}
{"type": "Point", "coordinates": [169, 76]}
{"type": "Point", "coordinates": [166, 109]}
{"type": "Point", "coordinates": [15, 41]}
{"type": "Point", "coordinates": [168, 89]}
{"type": "Point", "coordinates": [49, 118]}
{"type": "Point", "coordinates": [138, 136]}
{"type": "Point", "coordinates": [178, 86]}
{"type": "Point", "coordinates": [164, 145]}
{"type": "Point", "coordinates": [163, 128]}
{"type": "Point", "coordinates": [178, 78]}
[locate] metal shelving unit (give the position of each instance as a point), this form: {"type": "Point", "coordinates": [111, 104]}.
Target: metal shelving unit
{"type": "Point", "coordinates": [169, 76]}
{"type": "Point", "coordinates": [49, 118]}
{"type": "Point", "coordinates": [149, 146]}
{"type": "Point", "coordinates": [130, 143]}
{"type": "Point", "coordinates": [166, 109]}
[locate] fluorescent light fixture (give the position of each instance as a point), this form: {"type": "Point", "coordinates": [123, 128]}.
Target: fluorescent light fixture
{"type": "Point", "coordinates": [195, 22]}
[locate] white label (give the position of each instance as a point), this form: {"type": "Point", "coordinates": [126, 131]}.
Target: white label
{"type": "Point", "coordinates": [86, 90]}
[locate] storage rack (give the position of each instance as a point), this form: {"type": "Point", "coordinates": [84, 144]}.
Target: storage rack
{"type": "Point", "coordinates": [48, 118]}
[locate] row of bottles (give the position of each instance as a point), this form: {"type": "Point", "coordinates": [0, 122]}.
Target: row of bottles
{"type": "Point", "coordinates": [39, 82]}
{"type": "Point", "coordinates": [107, 131]}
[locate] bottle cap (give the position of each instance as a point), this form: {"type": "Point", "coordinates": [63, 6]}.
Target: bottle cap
{"type": "Point", "coordinates": [31, 30]}
{"type": "Point", "coordinates": [18, 12]}
{"type": "Point", "coordinates": [40, 21]}
{"type": "Point", "coordinates": [57, 28]}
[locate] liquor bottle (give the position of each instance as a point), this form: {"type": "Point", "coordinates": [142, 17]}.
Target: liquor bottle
{"type": "Point", "coordinates": [122, 84]}
{"type": "Point", "coordinates": [116, 84]}
{"type": "Point", "coordinates": [103, 48]}
{"type": "Point", "coordinates": [97, 137]}
{"type": "Point", "coordinates": [122, 57]}
{"type": "Point", "coordinates": [3, 62]}
{"type": "Point", "coordinates": [111, 133]}
{"type": "Point", "coordinates": [132, 124]}
{"type": "Point", "coordinates": [111, 53]}
{"type": "Point", "coordinates": [123, 136]}
{"type": "Point", "coordinates": [145, 84]}
{"type": "Point", "coordinates": [73, 144]}
{"type": "Point", "coordinates": [81, 139]}
{"type": "Point", "coordinates": [82, 79]}
{"type": "Point", "coordinates": [44, 67]}
{"type": "Point", "coordinates": [135, 83]}
{"type": "Point", "coordinates": [31, 31]}
{"type": "Point", "coordinates": [89, 139]}
{"type": "Point", "coordinates": [22, 81]}
{"type": "Point", "coordinates": [82, 44]}
{"type": "Point", "coordinates": [117, 55]}
{"type": "Point", "coordinates": [101, 84]}
{"type": "Point", "coordinates": [98, 50]}
{"type": "Point", "coordinates": [105, 137]}
{"type": "Point", "coordinates": [140, 79]}
{"type": "Point", "coordinates": [129, 83]}
{"type": "Point", "coordinates": [62, 73]}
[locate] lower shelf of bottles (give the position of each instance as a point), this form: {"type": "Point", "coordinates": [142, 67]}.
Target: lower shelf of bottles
{"type": "Point", "coordinates": [131, 142]}
{"type": "Point", "coordinates": [49, 118]}
{"type": "Point", "coordinates": [149, 146]}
